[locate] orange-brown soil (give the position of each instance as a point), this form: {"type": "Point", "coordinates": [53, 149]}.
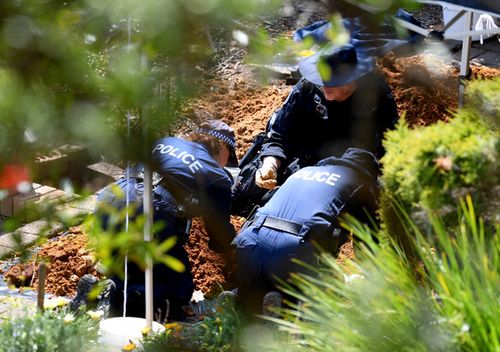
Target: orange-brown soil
{"type": "Point", "coordinates": [67, 258]}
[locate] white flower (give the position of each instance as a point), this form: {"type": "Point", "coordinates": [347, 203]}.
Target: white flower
{"type": "Point", "coordinates": [349, 279]}
{"type": "Point", "coordinates": [95, 314]}
{"type": "Point", "coordinates": [89, 39]}
{"type": "Point", "coordinates": [68, 318]}
{"type": "Point", "coordinates": [240, 37]}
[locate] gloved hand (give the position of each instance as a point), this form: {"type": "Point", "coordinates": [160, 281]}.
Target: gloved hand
{"type": "Point", "coordinates": [266, 175]}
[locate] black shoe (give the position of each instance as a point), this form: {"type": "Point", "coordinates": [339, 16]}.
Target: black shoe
{"type": "Point", "coordinates": [226, 299]}
{"type": "Point", "coordinates": [107, 290]}
{"type": "Point", "coordinates": [85, 285]}
{"type": "Point", "coordinates": [271, 304]}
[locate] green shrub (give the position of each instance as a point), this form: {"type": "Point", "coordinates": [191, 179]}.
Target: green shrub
{"type": "Point", "coordinates": [376, 304]}
{"type": "Point", "coordinates": [50, 331]}
{"type": "Point", "coordinates": [462, 270]}
{"type": "Point", "coordinates": [483, 98]}
{"type": "Point", "coordinates": [217, 332]}
{"type": "Point", "coordinates": [432, 167]}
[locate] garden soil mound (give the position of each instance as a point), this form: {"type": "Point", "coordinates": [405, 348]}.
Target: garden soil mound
{"type": "Point", "coordinates": [425, 90]}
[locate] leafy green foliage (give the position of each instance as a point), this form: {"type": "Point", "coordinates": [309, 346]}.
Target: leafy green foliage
{"type": "Point", "coordinates": [431, 167]}
{"type": "Point", "coordinates": [115, 243]}
{"type": "Point", "coordinates": [216, 332]}
{"type": "Point", "coordinates": [483, 98]}
{"type": "Point", "coordinates": [74, 69]}
{"type": "Point", "coordinates": [376, 304]}
{"type": "Point", "coordinates": [51, 331]}
{"type": "Point", "coordinates": [463, 272]}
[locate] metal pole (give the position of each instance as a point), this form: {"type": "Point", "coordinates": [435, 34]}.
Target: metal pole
{"type": "Point", "coordinates": [464, 60]}
{"type": "Point", "coordinates": [148, 225]}
{"type": "Point", "coordinates": [127, 191]}
{"type": "Point", "coordinates": [148, 212]}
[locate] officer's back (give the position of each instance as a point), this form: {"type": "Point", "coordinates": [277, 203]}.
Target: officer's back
{"type": "Point", "coordinates": [315, 196]}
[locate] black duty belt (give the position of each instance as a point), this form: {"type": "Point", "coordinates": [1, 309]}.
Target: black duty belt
{"type": "Point", "coordinates": [282, 225]}
{"type": "Point", "coordinates": [296, 229]}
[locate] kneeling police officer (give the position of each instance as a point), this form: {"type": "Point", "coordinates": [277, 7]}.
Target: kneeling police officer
{"type": "Point", "coordinates": [301, 214]}
{"type": "Point", "coordinates": [190, 182]}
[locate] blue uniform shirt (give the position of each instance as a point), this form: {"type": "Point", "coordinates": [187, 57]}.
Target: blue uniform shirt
{"type": "Point", "coordinates": [197, 183]}
{"type": "Point", "coordinates": [310, 128]}
{"type": "Point", "coordinates": [315, 196]}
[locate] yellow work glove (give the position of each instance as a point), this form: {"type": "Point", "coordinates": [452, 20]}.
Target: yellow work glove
{"type": "Point", "coordinates": [265, 176]}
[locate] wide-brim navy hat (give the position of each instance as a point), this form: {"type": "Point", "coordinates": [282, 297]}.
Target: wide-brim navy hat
{"type": "Point", "coordinates": [220, 130]}
{"type": "Point", "coordinates": [335, 66]}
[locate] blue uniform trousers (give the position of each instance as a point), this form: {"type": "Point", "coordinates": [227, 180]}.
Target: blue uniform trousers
{"type": "Point", "coordinates": [169, 285]}
{"type": "Point", "coordinates": [264, 259]}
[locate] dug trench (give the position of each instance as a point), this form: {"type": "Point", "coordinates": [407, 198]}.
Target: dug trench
{"type": "Point", "coordinates": [425, 90]}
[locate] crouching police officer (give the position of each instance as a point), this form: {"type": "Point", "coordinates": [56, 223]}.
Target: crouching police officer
{"type": "Point", "coordinates": [346, 104]}
{"type": "Point", "coordinates": [190, 182]}
{"type": "Point", "coordinates": [303, 212]}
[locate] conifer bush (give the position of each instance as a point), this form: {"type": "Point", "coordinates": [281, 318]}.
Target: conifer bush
{"type": "Point", "coordinates": [432, 167]}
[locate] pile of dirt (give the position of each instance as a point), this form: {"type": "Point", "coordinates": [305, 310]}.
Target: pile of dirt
{"type": "Point", "coordinates": [66, 258]}
{"type": "Point", "coordinates": [212, 272]}
{"type": "Point", "coordinates": [424, 87]}
{"type": "Point", "coordinates": [425, 90]}
{"type": "Point", "coordinates": [243, 104]}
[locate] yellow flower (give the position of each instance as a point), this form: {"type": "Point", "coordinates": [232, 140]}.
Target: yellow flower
{"type": "Point", "coordinates": [171, 326]}
{"type": "Point", "coordinates": [68, 318]}
{"type": "Point", "coordinates": [55, 302]}
{"type": "Point", "coordinates": [146, 330]}
{"type": "Point", "coordinates": [306, 53]}
{"type": "Point", "coordinates": [61, 301]}
{"type": "Point", "coordinates": [95, 314]}
{"type": "Point", "coordinates": [129, 347]}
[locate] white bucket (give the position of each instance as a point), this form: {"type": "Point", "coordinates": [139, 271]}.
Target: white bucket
{"type": "Point", "coordinates": [459, 25]}
{"type": "Point", "coordinates": [114, 333]}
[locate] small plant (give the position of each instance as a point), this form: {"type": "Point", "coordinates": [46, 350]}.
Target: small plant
{"type": "Point", "coordinates": [483, 97]}
{"type": "Point", "coordinates": [217, 332]}
{"type": "Point", "coordinates": [462, 270]}
{"type": "Point", "coordinates": [57, 331]}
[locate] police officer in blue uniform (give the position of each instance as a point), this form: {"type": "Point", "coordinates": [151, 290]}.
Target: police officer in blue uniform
{"type": "Point", "coordinates": [301, 214]}
{"type": "Point", "coordinates": [339, 103]}
{"type": "Point", "coordinates": [189, 181]}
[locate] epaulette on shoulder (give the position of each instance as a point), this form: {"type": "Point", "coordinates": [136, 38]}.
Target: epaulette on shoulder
{"type": "Point", "coordinates": [306, 87]}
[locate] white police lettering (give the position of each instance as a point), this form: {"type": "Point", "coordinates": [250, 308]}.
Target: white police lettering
{"type": "Point", "coordinates": [318, 176]}
{"type": "Point", "coordinates": [188, 159]}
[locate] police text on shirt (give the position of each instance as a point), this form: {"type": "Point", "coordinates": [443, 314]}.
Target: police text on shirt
{"type": "Point", "coordinates": [319, 176]}
{"type": "Point", "coordinates": [188, 159]}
